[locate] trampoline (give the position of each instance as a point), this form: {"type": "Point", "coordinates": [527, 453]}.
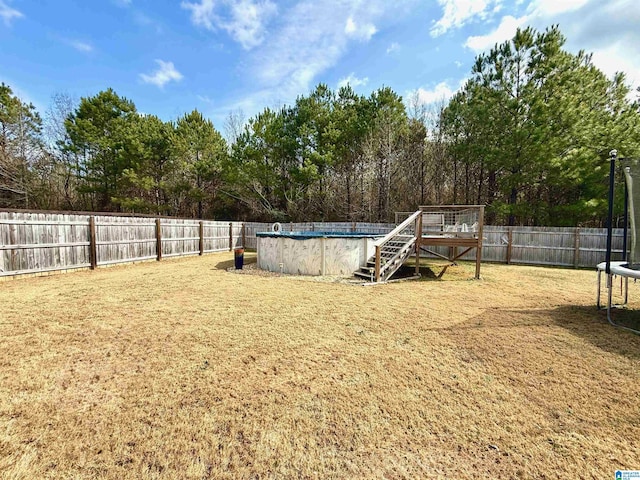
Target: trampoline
{"type": "Point", "coordinates": [629, 267]}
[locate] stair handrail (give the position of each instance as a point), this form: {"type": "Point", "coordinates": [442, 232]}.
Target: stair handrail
{"type": "Point", "coordinates": [378, 243]}
{"type": "Point", "coordinates": [398, 229]}
{"type": "Point", "coordinates": [400, 253]}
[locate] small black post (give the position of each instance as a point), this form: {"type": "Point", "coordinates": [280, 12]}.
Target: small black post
{"type": "Point", "coordinates": [612, 172]}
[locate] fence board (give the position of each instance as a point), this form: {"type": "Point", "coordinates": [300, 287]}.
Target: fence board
{"type": "Point", "coordinates": [124, 239]}
{"type": "Point", "coordinates": [33, 242]}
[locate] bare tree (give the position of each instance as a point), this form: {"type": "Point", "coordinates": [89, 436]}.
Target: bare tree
{"type": "Point", "coordinates": [62, 166]}
{"type": "Point", "coordinates": [233, 126]}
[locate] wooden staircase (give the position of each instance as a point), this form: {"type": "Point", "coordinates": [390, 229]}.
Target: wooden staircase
{"type": "Point", "coordinates": [392, 250]}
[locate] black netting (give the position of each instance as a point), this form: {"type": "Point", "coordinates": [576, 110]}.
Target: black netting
{"type": "Point", "coordinates": [632, 173]}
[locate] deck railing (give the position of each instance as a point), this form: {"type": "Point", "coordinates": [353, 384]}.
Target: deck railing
{"type": "Point", "coordinates": [408, 227]}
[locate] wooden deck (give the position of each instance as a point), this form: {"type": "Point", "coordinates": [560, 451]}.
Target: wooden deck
{"type": "Point", "coordinates": [443, 216]}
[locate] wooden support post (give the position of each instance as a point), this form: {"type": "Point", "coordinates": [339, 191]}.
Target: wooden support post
{"type": "Point", "coordinates": [230, 236]}
{"type": "Point", "coordinates": [479, 246]}
{"type": "Point", "coordinates": [353, 226]}
{"type": "Point", "coordinates": [244, 235]}
{"type": "Point", "coordinates": [201, 237]}
{"type": "Point", "coordinates": [509, 244]}
{"type": "Point", "coordinates": [158, 239]}
{"type": "Point", "coordinates": [418, 234]}
{"type": "Point", "coordinates": [576, 248]}
{"type": "Point", "coordinates": [323, 256]}
{"type": "Point", "coordinates": [93, 248]}
{"type": "Point", "coordinates": [377, 273]}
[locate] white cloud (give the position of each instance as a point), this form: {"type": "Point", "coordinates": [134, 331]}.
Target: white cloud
{"type": "Point", "coordinates": [202, 14]}
{"type": "Point", "coordinates": [540, 13]}
{"type": "Point", "coordinates": [8, 14]}
{"type": "Point", "coordinates": [244, 20]}
{"type": "Point", "coordinates": [354, 81]}
{"type": "Point", "coordinates": [441, 92]}
{"type": "Point", "coordinates": [248, 19]}
{"type": "Point", "coordinates": [204, 99]}
{"type": "Point", "coordinates": [305, 40]}
{"type": "Point", "coordinates": [505, 30]}
{"type": "Point", "coordinates": [166, 73]}
{"type": "Point", "coordinates": [554, 7]}
{"type": "Point", "coordinates": [362, 31]}
{"type": "Point", "coordinates": [615, 46]}
{"type": "Point", "coordinates": [615, 58]}
{"type": "Point", "coordinates": [81, 46]}
{"type": "Point", "coordinates": [394, 47]}
{"type": "Point", "coordinates": [457, 13]}
{"type": "Point", "coordinates": [308, 42]}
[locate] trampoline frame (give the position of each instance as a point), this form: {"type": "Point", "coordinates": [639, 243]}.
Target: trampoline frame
{"type": "Point", "coordinates": [616, 268]}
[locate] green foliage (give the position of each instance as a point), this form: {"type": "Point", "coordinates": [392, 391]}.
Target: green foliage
{"type": "Point", "coordinates": [535, 123]}
{"type": "Point", "coordinates": [101, 133]}
{"type": "Point", "coordinates": [20, 147]}
{"type": "Point", "coordinates": [200, 154]}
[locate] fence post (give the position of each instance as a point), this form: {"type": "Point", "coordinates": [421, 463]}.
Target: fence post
{"type": "Point", "coordinates": [244, 235]}
{"type": "Point", "coordinates": [576, 248]}
{"type": "Point", "coordinates": [13, 240]}
{"type": "Point", "coordinates": [230, 236]}
{"type": "Point", "coordinates": [480, 241]}
{"type": "Point", "coordinates": [93, 249]}
{"type": "Point", "coordinates": [201, 237]}
{"type": "Point", "coordinates": [509, 244]}
{"type": "Point", "coordinates": [158, 239]}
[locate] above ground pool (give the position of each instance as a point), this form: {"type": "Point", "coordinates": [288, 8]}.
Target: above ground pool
{"type": "Point", "coordinates": [315, 253]}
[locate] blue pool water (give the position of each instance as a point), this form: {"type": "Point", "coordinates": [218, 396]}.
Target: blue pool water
{"type": "Point", "coordinates": [308, 235]}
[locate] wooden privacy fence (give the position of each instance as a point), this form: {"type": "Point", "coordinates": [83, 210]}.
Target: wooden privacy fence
{"type": "Point", "coordinates": [42, 242]}
{"type": "Point", "coordinates": [555, 246]}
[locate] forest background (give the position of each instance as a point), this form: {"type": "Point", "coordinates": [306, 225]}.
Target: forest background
{"type": "Point", "coordinates": [528, 135]}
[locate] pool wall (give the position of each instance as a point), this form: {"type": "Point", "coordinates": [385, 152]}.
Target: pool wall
{"type": "Point", "coordinates": [304, 254]}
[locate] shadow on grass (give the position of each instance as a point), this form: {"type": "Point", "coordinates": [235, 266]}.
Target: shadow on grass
{"type": "Point", "coordinates": [249, 258]}
{"type": "Point", "coordinates": [584, 321]}
{"type": "Point", "coordinates": [436, 272]}
{"type": "Point", "coordinates": [591, 324]}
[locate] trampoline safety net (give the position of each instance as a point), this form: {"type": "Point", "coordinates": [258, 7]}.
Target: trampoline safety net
{"type": "Point", "coordinates": [632, 173]}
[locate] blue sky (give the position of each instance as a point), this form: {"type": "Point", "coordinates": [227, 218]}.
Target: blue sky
{"type": "Point", "coordinates": [224, 55]}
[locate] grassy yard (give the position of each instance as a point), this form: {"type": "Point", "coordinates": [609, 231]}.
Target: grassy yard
{"type": "Point", "coordinates": [181, 369]}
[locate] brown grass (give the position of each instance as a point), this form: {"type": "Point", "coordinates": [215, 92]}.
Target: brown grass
{"type": "Point", "coordinates": [181, 369]}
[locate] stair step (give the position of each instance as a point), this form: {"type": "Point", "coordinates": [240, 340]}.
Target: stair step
{"type": "Point", "coordinates": [363, 275]}
{"type": "Point", "coordinates": [392, 255]}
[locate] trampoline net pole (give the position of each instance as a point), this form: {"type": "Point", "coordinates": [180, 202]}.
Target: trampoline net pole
{"type": "Point", "coordinates": [612, 171]}
{"type": "Point", "coordinates": [625, 224]}
{"type": "Point", "coordinates": [632, 171]}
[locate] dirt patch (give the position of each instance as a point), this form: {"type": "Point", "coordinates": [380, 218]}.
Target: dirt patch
{"type": "Point", "coordinates": [183, 369]}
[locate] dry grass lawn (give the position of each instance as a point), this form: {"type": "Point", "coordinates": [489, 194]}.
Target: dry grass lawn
{"type": "Point", "coordinates": [181, 369]}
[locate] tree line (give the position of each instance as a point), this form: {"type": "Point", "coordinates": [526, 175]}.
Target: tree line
{"type": "Point", "coordinates": [528, 135]}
